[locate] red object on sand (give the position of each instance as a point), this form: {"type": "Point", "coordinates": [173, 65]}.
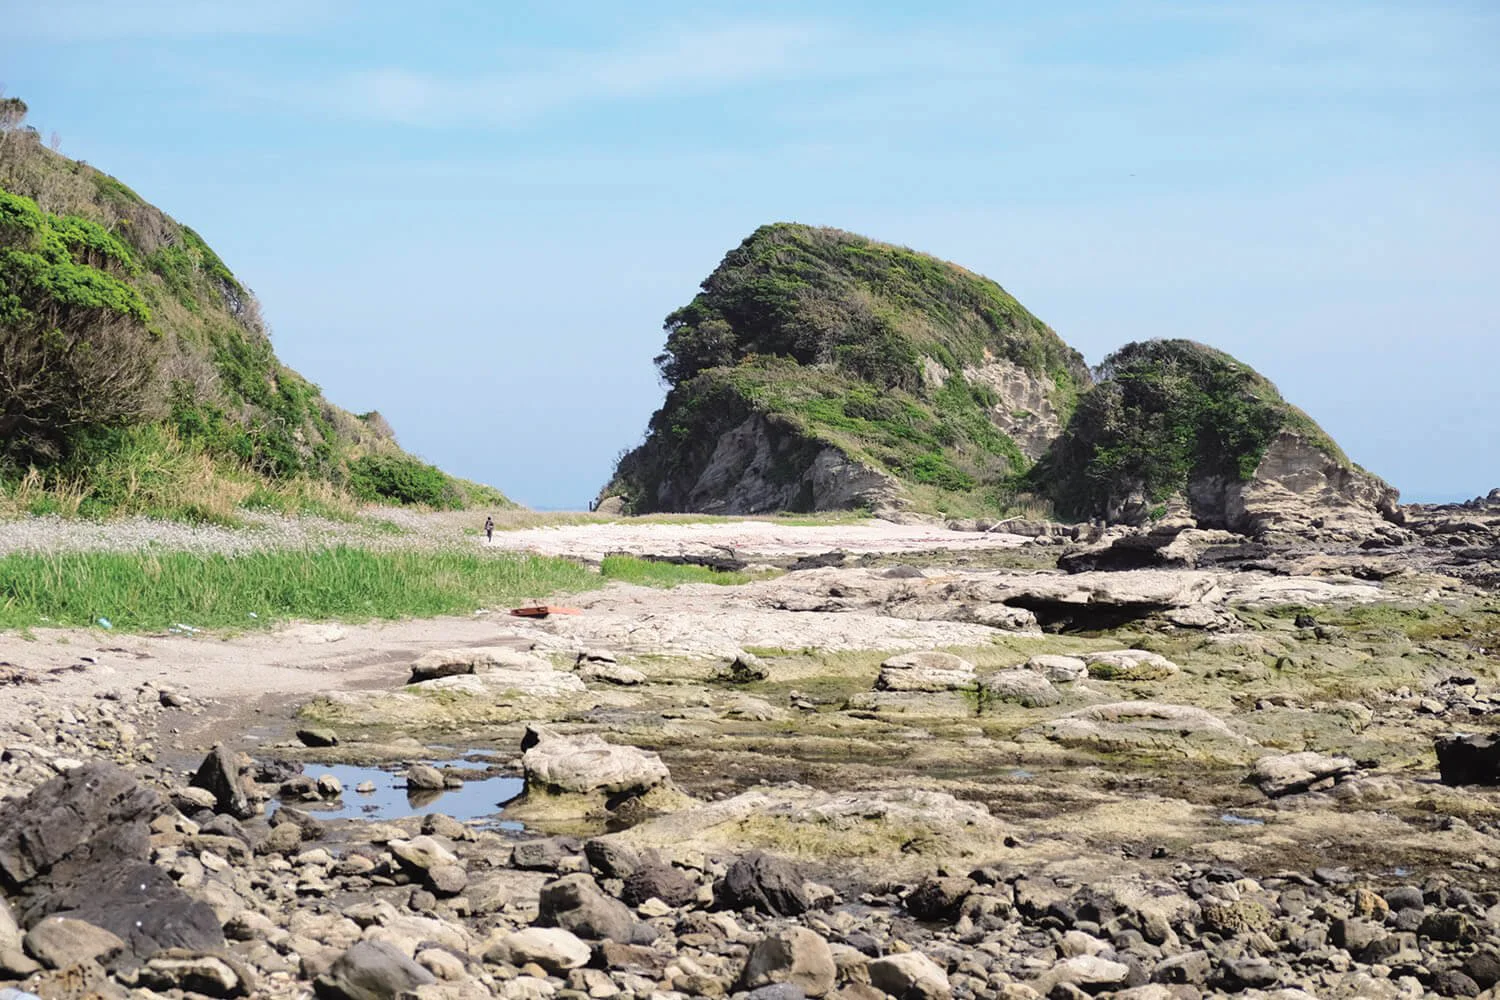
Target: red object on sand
{"type": "Point", "coordinates": [543, 610]}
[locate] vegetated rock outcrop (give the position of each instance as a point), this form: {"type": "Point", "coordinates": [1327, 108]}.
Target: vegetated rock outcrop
{"type": "Point", "coordinates": [1173, 422]}
{"type": "Point", "coordinates": [131, 355]}
{"type": "Point", "coordinates": [821, 370]}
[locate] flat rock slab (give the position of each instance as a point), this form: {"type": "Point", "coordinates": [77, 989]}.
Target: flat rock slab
{"type": "Point", "coordinates": [1148, 726]}
{"type": "Point", "coordinates": [930, 671]}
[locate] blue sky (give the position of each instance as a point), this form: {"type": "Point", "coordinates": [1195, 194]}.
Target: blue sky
{"type": "Point", "coordinates": [473, 217]}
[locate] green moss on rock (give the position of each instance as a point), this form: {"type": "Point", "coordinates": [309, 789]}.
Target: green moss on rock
{"type": "Point", "coordinates": [838, 341]}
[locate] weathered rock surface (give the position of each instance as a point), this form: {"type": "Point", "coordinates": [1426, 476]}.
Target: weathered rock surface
{"type": "Point", "coordinates": [1024, 687]}
{"type": "Point", "coordinates": [1148, 726]}
{"type": "Point", "coordinates": [795, 956]}
{"type": "Point", "coordinates": [221, 774]}
{"type": "Point", "coordinates": [372, 970]}
{"type": "Point", "coordinates": [1298, 772]}
{"type": "Point", "coordinates": [1129, 665]}
{"type": "Point", "coordinates": [587, 765]}
{"type": "Point", "coordinates": [932, 671]}
{"type": "Point", "coordinates": [762, 882]}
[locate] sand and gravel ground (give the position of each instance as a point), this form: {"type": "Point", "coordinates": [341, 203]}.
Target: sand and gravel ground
{"type": "Point", "coordinates": [296, 660]}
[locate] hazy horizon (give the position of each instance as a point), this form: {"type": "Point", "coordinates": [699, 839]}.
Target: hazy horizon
{"type": "Point", "coordinates": [474, 219]}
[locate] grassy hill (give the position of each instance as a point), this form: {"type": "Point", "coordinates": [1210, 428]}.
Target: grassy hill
{"type": "Point", "coordinates": [1165, 417]}
{"type": "Point", "coordinates": [136, 373]}
{"type": "Point", "coordinates": [832, 340]}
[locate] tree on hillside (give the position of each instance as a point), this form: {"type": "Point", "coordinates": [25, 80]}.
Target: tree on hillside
{"type": "Point", "coordinates": [76, 350]}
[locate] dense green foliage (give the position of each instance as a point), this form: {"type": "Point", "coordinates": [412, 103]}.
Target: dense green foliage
{"type": "Point", "coordinates": [839, 340]}
{"type": "Point", "coordinates": [115, 318]}
{"type": "Point", "coordinates": [1165, 412]}
{"type": "Point", "coordinates": [402, 479]}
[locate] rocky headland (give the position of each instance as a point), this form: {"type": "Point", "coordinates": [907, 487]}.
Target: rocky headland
{"type": "Point", "coordinates": [980, 760]}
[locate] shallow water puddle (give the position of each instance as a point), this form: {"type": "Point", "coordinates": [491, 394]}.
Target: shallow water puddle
{"type": "Point", "coordinates": [479, 798]}
{"type": "Point", "coordinates": [1234, 820]}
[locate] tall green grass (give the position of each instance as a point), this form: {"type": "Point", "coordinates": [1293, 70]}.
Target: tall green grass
{"type": "Point", "coordinates": [145, 591]}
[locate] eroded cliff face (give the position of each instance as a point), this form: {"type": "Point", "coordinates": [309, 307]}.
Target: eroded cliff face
{"type": "Point", "coordinates": [1026, 410]}
{"type": "Point", "coordinates": [1300, 491]}
{"type": "Point", "coordinates": [762, 465]}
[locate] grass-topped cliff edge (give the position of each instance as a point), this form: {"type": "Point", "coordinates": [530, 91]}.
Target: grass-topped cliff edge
{"type": "Point", "coordinates": [137, 376]}
{"type": "Point", "coordinates": [822, 339]}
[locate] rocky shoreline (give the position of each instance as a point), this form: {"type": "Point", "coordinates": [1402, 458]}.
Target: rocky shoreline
{"type": "Point", "coordinates": [926, 779]}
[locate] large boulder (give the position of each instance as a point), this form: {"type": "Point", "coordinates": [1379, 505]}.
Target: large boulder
{"type": "Point", "coordinates": [910, 975]}
{"type": "Point", "coordinates": [76, 848]}
{"type": "Point", "coordinates": [1469, 760]}
{"type": "Point", "coordinates": [762, 882]}
{"type": "Point", "coordinates": [98, 808]}
{"type": "Point", "coordinates": [930, 671]}
{"type": "Point", "coordinates": [371, 970]}
{"type": "Point", "coordinates": [576, 903]}
{"type": "Point", "coordinates": [553, 948]}
{"type": "Point", "coordinates": [63, 942]}
{"type": "Point", "coordinates": [792, 955]}
{"type": "Point", "coordinates": [1285, 774]}
{"type": "Point", "coordinates": [1024, 687]}
{"type": "Point", "coordinates": [587, 765]}
{"type": "Point", "coordinates": [222, 775]}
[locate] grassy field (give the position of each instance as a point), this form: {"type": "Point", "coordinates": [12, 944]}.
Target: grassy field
{"type": "Point", "coordinates": [150, 592]}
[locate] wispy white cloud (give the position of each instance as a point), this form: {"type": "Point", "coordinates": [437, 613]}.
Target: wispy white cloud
{"type": "Point", "coordinates": [691, 60]}
{"type": "Point", "coordinates": [111, 20]}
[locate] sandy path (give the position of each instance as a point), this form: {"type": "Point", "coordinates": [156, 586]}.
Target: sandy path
{"type": "Point", "coordinates": [746, 539]}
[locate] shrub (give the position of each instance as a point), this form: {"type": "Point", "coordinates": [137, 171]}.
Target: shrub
{"type": "Point", "coordinates": [402, 479]}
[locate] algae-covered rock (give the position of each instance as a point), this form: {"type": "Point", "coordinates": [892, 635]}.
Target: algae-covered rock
{"type": "Point", "coordinates": [1148, 727]}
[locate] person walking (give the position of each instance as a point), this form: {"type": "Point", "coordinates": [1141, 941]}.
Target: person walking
{"type": "Point", "coordinates": [489, 530]}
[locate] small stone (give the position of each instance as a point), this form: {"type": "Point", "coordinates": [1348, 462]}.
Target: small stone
{"type": "Point", "coordinates": [424, 777]}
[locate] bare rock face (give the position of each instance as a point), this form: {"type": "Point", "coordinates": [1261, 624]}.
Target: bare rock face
{"type": "Point", "coordinates": [1298, 491]}
{"type": "Point", "coordinates": [1148, 727]}
{"type": "Point", "coordinates": [754, 469]}
{"type": "Point", "coordinates": [1024, 409]}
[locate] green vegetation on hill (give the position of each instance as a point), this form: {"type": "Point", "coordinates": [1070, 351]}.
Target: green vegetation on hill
{"type": "Point", "coordinates": [136, 375]}
{"type": "Point", "coordinates": [839, 340]}
{"type": "Point", "coordinates": [1164, 413]}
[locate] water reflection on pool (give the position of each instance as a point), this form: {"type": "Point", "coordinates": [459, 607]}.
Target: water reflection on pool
{"type": "Point", "coordinates": [479, 798]}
